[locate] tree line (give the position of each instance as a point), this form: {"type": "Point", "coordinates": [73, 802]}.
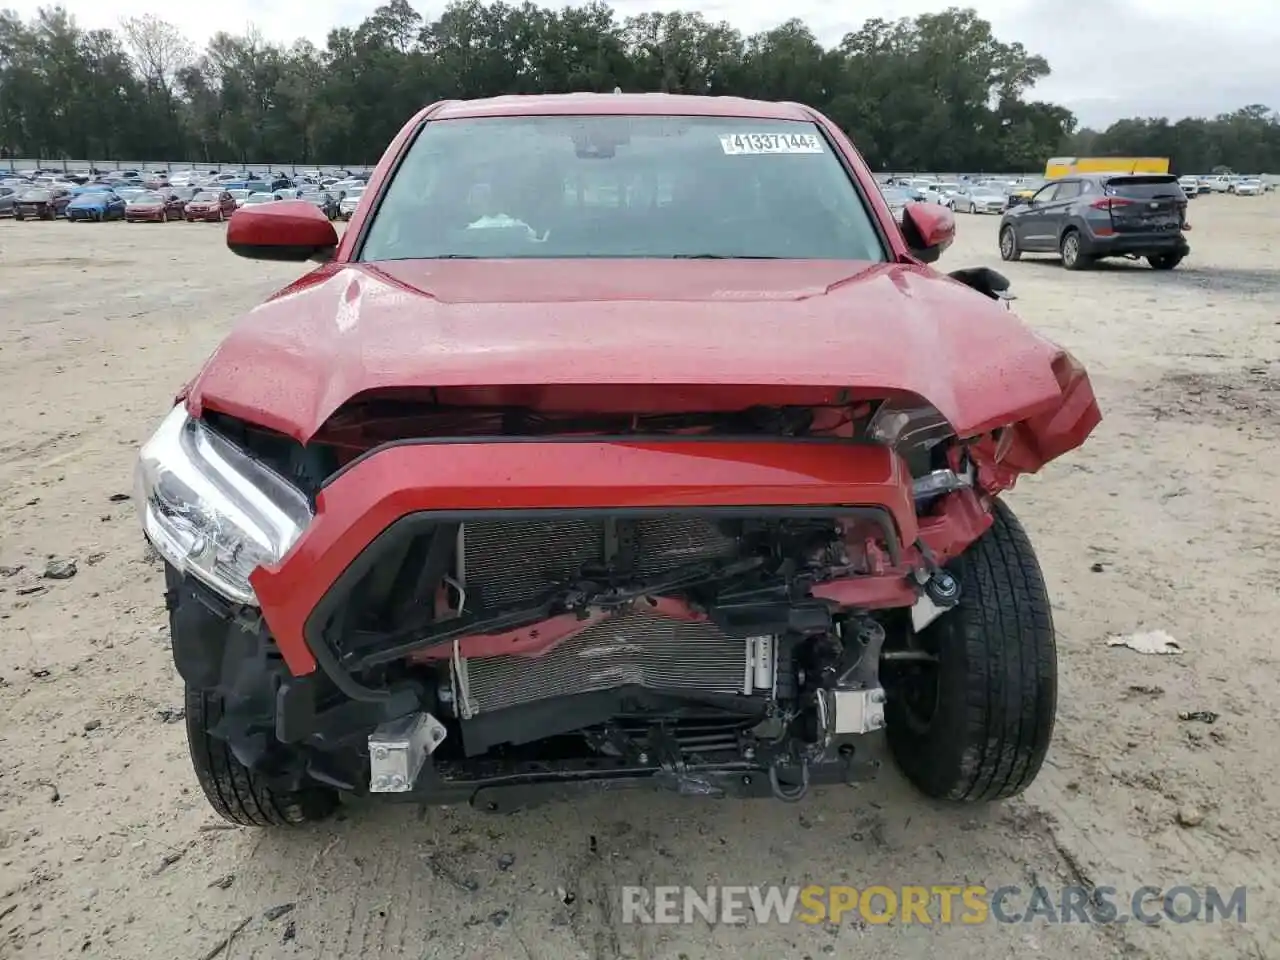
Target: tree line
{"type": "Point", "coordinates": [935, 92]}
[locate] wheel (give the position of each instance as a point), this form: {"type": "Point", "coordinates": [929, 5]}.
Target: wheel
{"type": "Point", "coordinates": [234, 791]}
{"type": "Point", "coordinates": [973, 207]}
{"type": "Point", "coordinates": [221, 217]}
{"type": "Point", "coordinates": [164, 216]}
{"type": "Point", "coordinates": [974, 725]}
{"type": "Point", "coordinates": [18, 216]}
{"type": "Point", "coordinates": [1165, 261]}
{"type": "Point", "coordinates": [1009, 244]}
{"type": "Point", "coordinates": [1072, 257]}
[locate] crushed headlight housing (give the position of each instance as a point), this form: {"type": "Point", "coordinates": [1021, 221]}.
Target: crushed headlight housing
{"type": "Point", "coordinates": [212, 510]}
{"type": "Point", "coordinates": [908, 426]}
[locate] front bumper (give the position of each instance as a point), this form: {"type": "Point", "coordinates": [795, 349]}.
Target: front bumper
{"type": "Point", "coordinates": [406, 483]}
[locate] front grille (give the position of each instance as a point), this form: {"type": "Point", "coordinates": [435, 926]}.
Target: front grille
{"type": "Point", "coordinates": [635, 648]}
{"type": "Point", "coordinates": [509, 562]}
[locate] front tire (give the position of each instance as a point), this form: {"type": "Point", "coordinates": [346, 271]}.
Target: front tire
{"type": "Point", "coordinates": [991, 695]}
{"type": "Point", "coordinates": [234, 791]}
{"type": "Point", "coordinates": [1009, 249]}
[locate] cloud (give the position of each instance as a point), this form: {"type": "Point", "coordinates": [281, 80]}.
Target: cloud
{"type": "Point", "coordinates": [1110, 58]}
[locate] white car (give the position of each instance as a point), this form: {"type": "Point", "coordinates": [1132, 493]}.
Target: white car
{"type": "Point", "coordinates": [1221, 183]}
{"type": "Point", "coordinates": [934, 193]}
{"type": "Point", "coordinates": [1247, 188]}
{"type": "Point", "coordinates": [348, 204]}
{"type": "Point", "coordinates": [240, 196]}
{"type": "Point", "coordinates": [1190, 185]}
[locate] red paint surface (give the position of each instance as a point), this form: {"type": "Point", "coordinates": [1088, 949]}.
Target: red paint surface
{"type": "Point", "coordinates": [537, 325]}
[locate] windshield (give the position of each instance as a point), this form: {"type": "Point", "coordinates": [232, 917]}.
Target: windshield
{"type": "Point", "coordinates": [896, 195]}
{"type": "Point", "coordinates": [986, 192]}
{"type": "Point", "coordinates": [149, 196]}
{"type": "Point", "coordinates": [35, 196]}
{"type": "Point", "coordinates": [621, 186]}
{"type": "Point", "coordinates": [354, 193]}
{"type": "Point", "coordinates": [204, 196]}
{"type": "Point", "coordinates": [259, 198]}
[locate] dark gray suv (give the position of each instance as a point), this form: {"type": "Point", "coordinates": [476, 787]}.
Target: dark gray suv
{"type": "Point", "coordinates": [1084, 218]}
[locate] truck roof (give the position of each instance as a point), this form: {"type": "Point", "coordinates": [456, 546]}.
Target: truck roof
{"type": "Point", "coordinates": [654, 104]}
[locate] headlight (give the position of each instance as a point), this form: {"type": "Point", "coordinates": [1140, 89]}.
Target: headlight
{"type": "Point", "coordinates": [213, 511]}
{"type": "Point", "coordinates": [908, 426]}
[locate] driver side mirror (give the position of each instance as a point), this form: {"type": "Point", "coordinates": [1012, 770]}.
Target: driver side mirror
{"type": "Point", "coordinates": [283, 230]}
{"type": "Point", "coordinates": [929, 228]}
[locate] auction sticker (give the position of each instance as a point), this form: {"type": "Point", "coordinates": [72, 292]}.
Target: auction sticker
{"type": "Point", "coordinates": [744, 143]}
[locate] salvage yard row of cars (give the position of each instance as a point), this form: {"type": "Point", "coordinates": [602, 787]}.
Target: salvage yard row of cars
{"type": "Point", "coordinates": [996, 195]}
{"type": "Point", "coordinates": [160, 197]}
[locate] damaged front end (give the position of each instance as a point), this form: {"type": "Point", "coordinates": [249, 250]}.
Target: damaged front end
{"type": "Point", "coordinates": [512, 606]}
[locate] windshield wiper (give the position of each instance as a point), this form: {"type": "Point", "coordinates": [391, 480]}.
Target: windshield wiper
{"type": "Point", "coordinates": [716, 256]}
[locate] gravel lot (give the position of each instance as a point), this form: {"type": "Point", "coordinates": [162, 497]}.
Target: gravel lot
{"type": "Point", "coordinates": [1167, 519]}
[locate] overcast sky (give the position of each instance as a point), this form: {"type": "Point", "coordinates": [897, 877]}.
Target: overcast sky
{"type": "Point", "coordinates": [1110, 58]}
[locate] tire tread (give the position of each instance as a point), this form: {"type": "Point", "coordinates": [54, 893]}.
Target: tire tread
{"type": "Point", "coordinates": [998, 664]}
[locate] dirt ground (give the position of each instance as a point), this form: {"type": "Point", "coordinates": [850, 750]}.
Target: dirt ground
{"type": "Point", "coordinates": [1168, 519]}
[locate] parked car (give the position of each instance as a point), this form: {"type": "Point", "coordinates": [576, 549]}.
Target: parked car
{"type": "Point", "coordinates": [1084, 218]}
{"type": "Point", "coordinates": [897, 198]}
{"type": "Point", "coordinates": [1247, 188]}
{"type": "Point", "coordinates": [239, 195]}
{"type": "Point", "coordinates": [347, 205]}
{"type": "Point", "coordinates": [8, 200]}
{"type": "Point", "coordinates": [606, 601]}
{"type": "Point", "coordinates": [978, 199]}
{"type": "Point", "coordinates": [254, 199]}
{"type": "Point", "coordinates": [324, 201]}
{"type": "Point", "coordinates": [1024, 190]}
{"type": "Point", "coordinates": [1220, 183]}
{"type": "Point", "coordinates": [153, 206]}
{"type": "Point", "coordinates": [210, 205]}
{"type": "Point", "coordinates": [42, 203]}
{"type": "Point", "coordinates": [96, 205]}
{"type": "Point", "coordinates": [933, 193]}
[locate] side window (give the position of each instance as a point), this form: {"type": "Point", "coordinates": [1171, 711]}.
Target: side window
{"type": "Point", "coordinates": [1068, 191]}
{"type": "Point", "coordinates": [1047, 193]}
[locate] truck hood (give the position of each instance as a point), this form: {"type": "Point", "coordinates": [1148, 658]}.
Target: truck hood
{"type": "Point", "coordinates": [350, 328]}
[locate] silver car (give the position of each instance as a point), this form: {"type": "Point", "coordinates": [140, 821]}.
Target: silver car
{"type": "Point", "coordinates": [897, 198]}
{"type": "Point", "coordinates": [982, 200]}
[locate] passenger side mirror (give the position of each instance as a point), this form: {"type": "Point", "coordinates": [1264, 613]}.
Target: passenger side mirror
{"type": "Point", "coordinates": [284, 230]}
{"type": "Point", "coordinates": [929, 228]}
{"type": "Point", "coordinates": [986, 281]}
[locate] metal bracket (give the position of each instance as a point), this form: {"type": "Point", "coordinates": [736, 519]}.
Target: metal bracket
{"type": "Point", "coordinates": [855, 711]}
{"type": "Point", "coordinates": [399, 748]}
